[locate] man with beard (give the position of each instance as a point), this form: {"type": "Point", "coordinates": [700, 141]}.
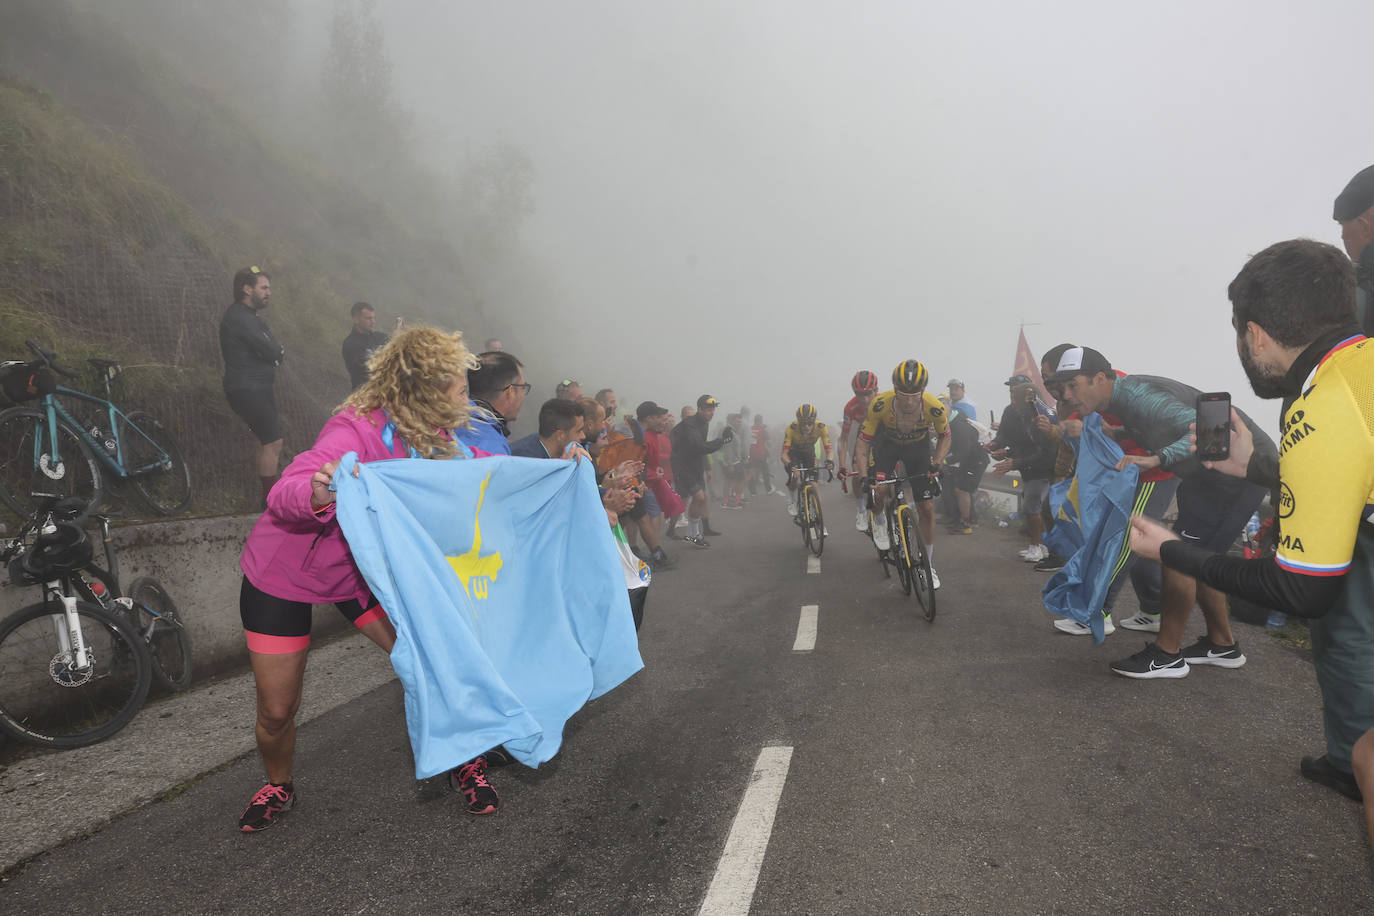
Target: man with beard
{"type": "Point", "coordinates": [1293, 312]}
{"type": "Point", "coordinates": [251, 357]}
{"type": "Point", "coordinates": [1212, 508]}
{"type": "Point", "coordinates": [1354, 210]}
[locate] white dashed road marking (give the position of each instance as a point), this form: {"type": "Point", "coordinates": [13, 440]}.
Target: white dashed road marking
{"type": "Point", "coordinates": [806, 629]}
{"type": "Point", "coordinates": [732, 889]}
{"type": "Point", "coordinates": [813, 564]}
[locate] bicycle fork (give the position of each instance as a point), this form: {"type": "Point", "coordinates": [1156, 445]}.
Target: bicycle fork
{"type": "Point", "coordinates": [71, 641]}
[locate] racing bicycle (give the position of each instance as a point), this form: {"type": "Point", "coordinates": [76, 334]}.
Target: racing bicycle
{"type": "Point", "coordinates": [809, 507]}
{"type": "Point", "coordinates": [67, 444]}
{"type": "Point", "coordinates": [907, 553]}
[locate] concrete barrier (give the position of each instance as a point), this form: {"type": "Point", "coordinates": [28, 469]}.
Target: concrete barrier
{"type": "Point", "coordinates": [197, 562]}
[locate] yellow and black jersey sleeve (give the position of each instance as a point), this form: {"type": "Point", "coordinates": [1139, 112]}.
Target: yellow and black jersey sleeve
{"type": "Point", "coordinates": [881, 407]}
{"type": "Point", "coordinates": [1326, 464]}
{"type": "Point", "coordinates": [823, 433]}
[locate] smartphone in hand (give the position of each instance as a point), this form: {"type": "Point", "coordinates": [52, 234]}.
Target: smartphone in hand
{"type": "Point", "coordinates": [1214, 426]}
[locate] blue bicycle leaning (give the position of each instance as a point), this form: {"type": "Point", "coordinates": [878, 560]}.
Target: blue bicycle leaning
{"type": "Point", "coordinates": [66, 445]}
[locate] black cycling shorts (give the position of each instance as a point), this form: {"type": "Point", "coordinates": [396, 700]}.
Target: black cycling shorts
{"type": "Point", "coordinates": [258, 408]}
{"type": "Point", "coordinates": [915, 459]}
{"type": "Point", "coordinates": [276, 626]}
{"type": "Point", "coordinates": [802, 456]}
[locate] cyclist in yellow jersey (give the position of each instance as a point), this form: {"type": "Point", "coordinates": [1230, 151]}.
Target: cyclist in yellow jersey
{"type": "Point", "coordinates": [799, 449]}
{"type": "Point", "coordinates": [1293, 311]}
{"type": "Point", "coordinates": [910, 425]}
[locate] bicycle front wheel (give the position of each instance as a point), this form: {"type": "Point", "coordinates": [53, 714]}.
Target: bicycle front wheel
{"type": "Point", "coordinates": [29, 473]}
{"type": "Point", "coordinates": [47, 699]}
{"type": "Point", "coordinates": [814, 520]}
{"type": "Point", "coordinates": [160, 625]}
{"type": "Point", "coordinates": [156, 466]}
{"type": "Point", "coordinates": [901, 545]}
{"type": "Point", "coordinates": [921, 582]}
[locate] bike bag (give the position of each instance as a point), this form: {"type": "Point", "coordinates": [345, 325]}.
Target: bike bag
{"type": "Point", "coordinates": [20, 382]}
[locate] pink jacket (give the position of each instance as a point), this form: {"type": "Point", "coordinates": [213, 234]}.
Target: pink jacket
{"type": "Point", "coordinates": [297, 553]}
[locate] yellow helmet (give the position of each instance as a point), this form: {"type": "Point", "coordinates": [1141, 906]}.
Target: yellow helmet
{"type": "Point", "coordinates": [910, 376]}
{"type": "Point", "coordinates": [806, 413]}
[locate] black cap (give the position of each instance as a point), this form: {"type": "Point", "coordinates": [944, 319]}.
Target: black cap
{"type": "Point", "coordinates": [1080, 361]}
{"type": "Point", "coordinates": [706, 402]}
{"type": "Point", "coordinates": [1357, 197]}
{"type": "Point", "coordinates": [1018, 380]}
{"type": "Point", "coordinates": [649, 409]}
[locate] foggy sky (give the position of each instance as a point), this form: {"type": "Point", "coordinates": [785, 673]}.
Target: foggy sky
{"type": "Point", "coordinates": [756, 199]}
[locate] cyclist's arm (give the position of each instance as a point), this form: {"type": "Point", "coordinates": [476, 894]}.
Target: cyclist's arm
{"type": "Point", "coordinates": [824, 432]}
{"type": "Point", "coordinates": [942, 446]}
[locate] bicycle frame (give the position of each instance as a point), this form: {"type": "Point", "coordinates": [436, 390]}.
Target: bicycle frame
{"type": "Point", "coordinates": [54, 412]}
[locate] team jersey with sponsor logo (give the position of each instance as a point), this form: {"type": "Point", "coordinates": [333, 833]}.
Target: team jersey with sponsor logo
{"type": "Point", "coordinates": [796, 437]}
{"type": "Point", "coordinates": [882, 416]}
{"type": "Point", "coordinates": [1326, 463]}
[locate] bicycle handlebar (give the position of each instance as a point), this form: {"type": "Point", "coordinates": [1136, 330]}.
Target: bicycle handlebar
{"type": "Point", "coordinates": [49, 358]}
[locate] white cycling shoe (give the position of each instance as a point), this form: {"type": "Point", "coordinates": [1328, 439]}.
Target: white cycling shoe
{"type": "Point", "coordinates": [880, 538]}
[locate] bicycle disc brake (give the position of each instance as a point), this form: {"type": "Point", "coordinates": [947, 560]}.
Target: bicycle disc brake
{"type": "Point", "coordinates": [52, 473]}
{"type": "Point", "coordinates": [65, 674]}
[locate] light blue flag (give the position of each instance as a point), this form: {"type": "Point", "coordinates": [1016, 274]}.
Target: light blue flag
{"type": "Point", "coordinates": [1092, 512]}
{"type": "Point", "coordinates": [504, 584]}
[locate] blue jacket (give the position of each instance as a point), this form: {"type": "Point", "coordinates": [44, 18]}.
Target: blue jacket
{"type": "Point", "coordinates": [486, 430]}
{"type": "Point", "coordinates": [529, 447]}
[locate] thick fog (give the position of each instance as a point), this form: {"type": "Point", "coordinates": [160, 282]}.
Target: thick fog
{"type": "Point", "coordinates": [756, 199]}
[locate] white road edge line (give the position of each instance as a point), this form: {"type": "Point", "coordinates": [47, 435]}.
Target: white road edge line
{"type": "Point", "coordinates": [732, 889]}
{"type": "Point", "coordinates": [806, 629]}
{"type": "Point", "coordinates": [813, 564]}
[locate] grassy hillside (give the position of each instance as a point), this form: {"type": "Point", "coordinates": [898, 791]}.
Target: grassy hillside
{"type": "Point", "coordinates": [129, 197]}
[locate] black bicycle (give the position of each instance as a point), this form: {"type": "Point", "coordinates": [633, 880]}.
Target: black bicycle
{"type": "Point", "coordinates": [907, 551]}
{"type": "Point", "coordinates": [76, 667]}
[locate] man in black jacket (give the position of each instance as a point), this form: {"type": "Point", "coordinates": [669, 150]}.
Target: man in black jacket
{"type": "Point", "coordinates": [690, 448]}
{"type": "Point", "coordinates": [362, 342]}
{"type": "Point", "coordinates": [1022, 447]}
{"type": "Point", "coordinates": [1354, 210]}
{"type": "Point", "coordinates": [251, 357]}
{"type": "Point", "coordinates": [964, 467]}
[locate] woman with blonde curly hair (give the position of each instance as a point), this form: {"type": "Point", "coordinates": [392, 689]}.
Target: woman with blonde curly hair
{"type": "Point", "coordinates": [297, 556]}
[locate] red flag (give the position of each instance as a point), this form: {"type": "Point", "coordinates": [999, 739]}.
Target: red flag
{"type": "Point", "coordinates": [1026, 364]}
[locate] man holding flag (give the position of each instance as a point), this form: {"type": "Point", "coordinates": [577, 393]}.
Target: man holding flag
{"type": "Point", "coordinates": [1212, 508]}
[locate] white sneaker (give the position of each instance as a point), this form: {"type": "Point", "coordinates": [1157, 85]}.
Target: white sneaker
{"type": "Point", "coordinates": [1148, 623]}
{"type": "Point", "coordinates": [825, 531]}
{"type": "Point", "coordinates": [1074, 628]}
{"type": "Point", "coordinates": [880, 538]}
{"type": "Point", "coordinates": [934, 579]}
{"type": "Point", "coordinates": [1026, 551]}
{"type": "Point", "coordinates": [861, 520]}
{"type": "Point", "coordinates": [1037, 553]}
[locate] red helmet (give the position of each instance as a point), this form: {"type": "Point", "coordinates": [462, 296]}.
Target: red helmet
{"type": "Point", "coordinates": [864, 381]}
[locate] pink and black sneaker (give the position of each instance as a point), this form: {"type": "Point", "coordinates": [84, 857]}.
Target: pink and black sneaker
{"type": "Point", "coordinates": [471, 780]}
{"type": "Point", "coordinates": [269, 802]}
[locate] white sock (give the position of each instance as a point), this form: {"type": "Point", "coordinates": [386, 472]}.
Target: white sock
{"type": "Point", "coordinates": [694, 527]}
{"type": "Point", "coordinates": [930, 553]}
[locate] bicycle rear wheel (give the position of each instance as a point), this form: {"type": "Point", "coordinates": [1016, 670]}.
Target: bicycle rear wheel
{"type": "Point", "coordinates": [921, 583]}
{"type": "Point", "coordinates": [46, 700]}
{"type": "Point", "coordinates": [160, 625]}
{"type": "Point", "coordinates": [901, 546]}
{"type": "Point", "coordinates": [814, 520]}
{"type": "Point", "coordinates": [156, 466]}
{"type": "Point", "coordinates": [28, 475]}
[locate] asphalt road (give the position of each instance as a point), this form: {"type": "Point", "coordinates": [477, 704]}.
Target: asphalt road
{"type": "Point", "coordinates": [982, 763]}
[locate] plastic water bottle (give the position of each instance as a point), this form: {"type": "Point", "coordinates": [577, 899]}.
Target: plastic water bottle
{"type": "Point", "coordinates": [1252, 527]}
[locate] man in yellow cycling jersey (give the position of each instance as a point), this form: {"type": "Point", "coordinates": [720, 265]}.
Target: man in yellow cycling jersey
{"type": "Point", "coordinates": [900, 426]}
{"type": "Point", "coordinates": [799, 449]}
{"type": "Point", "coordinates": [1293, 308]}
